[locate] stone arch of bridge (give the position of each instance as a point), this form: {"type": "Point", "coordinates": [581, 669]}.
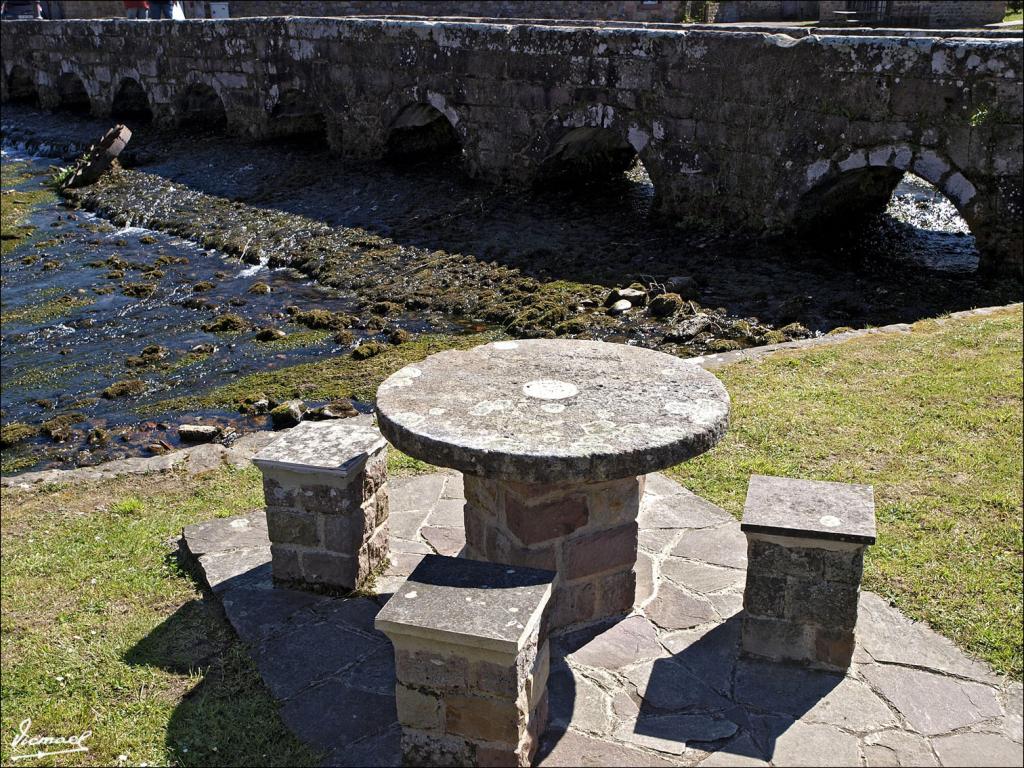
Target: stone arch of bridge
{"type": "Point", "coordinates": [199, 105]}
{"type": "Point", "coordinates": [72, 95]}
{"type": "Point", "coordinates": [425, 127]}
{"type": "Point", "coordinates": [859, 183]}
{"type": "Point", "coordinates": [21, 86]}
{"type": "Point", "coordinates": [130, 101]}
{"type": "Point", "coordinates": [295, 113]}
{"type": "Point", "coordinates": [592, 143]}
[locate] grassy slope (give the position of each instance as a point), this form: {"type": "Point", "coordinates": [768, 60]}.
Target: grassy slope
{"type": "Point", "coordinates": [933, 421]}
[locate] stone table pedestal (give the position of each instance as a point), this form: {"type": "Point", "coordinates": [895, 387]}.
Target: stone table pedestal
{"type": "Point", "coordinates": [586, 532]}
{"type": "Point", "coordinates": [554, 439]}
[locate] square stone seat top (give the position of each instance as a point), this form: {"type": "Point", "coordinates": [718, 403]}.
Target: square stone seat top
{"type": "Point", "coordinates": [469, 603]}
{"type": "Point", "coordinates": [337, 446]}
{"type": "Point", "coordinates": [814, 509]}
{"type": "Point", "coordinates": [553, 410]}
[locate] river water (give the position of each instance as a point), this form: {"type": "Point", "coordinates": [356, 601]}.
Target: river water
{"type": "Point", "coordinates": [917, 261]}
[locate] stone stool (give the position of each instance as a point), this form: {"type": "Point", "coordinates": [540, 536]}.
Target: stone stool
{"type": "Point", "coordinates": [471, 661]}
{"type": "Point", "coordinates": [805, 555]}
{"type": "Point", "coordinates": [327, 503]}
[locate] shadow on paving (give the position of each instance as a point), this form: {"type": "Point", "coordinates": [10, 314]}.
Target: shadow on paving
{"type": "Point", "coordinates": [319, 679]}
{"type": "Point", "coordinates": [708, 695]}
{"type": "Point", "coordinates": [227, 718]}
{"type": "Point", "coordinates": [705, 697]}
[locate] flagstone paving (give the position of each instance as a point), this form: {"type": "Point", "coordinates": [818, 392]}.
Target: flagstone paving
{"type": "Point", "coordinates": [663, 687]}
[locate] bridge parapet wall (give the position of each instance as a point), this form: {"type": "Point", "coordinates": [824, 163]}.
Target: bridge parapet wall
{"type": "Point", "coordinates": [745, 130]}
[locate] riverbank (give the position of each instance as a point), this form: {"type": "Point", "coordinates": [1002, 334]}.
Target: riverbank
{"type": "Point", "coordinates": [210, 281]}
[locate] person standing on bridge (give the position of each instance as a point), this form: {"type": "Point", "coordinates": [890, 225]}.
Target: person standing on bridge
{"type": "Point", "coordinates": [161, 9]}
{"type": "Point", "coordinates": [136, 9]}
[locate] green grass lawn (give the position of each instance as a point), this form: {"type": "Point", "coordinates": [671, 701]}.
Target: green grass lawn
{"type": "Point", "coordinates": [932, 420]}
{"type": "Point", "coordinates": [1013, 15]}
{"type": "Point", "coordinates": [104, 631]}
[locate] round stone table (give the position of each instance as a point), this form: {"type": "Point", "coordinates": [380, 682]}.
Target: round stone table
{"type": "Point", "coordinates": [554, 438]}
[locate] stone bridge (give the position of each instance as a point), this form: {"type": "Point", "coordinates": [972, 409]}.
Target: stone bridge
{"type": "Point", "coordinates": [745, 130]}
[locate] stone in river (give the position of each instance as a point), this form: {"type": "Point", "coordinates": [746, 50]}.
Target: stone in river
{"type": "Point", "coordinates": [665, 305]}
{"type": "Point", "coordinates": [270, 334]}
{"type": "Point", "coordinates": [198, 433]}
{"type": "Point", "coordinates": [288, 414]}
{"type": "Point", "coordinates": [619, 307]}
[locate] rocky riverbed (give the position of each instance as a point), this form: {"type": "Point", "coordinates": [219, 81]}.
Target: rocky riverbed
{"type": "Point", "coordinates": [209, 281]}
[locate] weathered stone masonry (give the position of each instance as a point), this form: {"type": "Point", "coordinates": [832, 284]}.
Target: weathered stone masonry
{"type": "Point", "coordinates": [746, 130]}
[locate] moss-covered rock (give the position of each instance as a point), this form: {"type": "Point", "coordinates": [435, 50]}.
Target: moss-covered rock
{"type": "Point", "coordinates": [665, 305]}
{"type": "Point", "coordinates": [322, 319]}
{"type": "Point", "coordinates": [270, 334]}
{"type": "Point", "coordinates": [151, 354]}
{"type": "Point", "coordinates": [259, 288]}
{"type": "Point", "coordinates": [255, 404]}
{"type": "Point", "coordinates": [16, 431]}
{"type": "Point", "coordinates": [794, 331]}
{"type": "Point", "coordinates": [723, 345]}
{"type": "Point", "coordinates": [126, 388]}
{"type": "Point", "coordinates": [138, 290]}
{"type": "Point", "coordinates": [59, 427]}
{"type": "Point", "coordinates": [385, 308]}
{"type": "Point", "coordinates": [368, 349]}
{"type": "Point", "coordinates": [338, 409]}
{"type": "Point", "coordinates": [288, 414]}
{"type": "Point", "coordinates": [227, 323]}
{"type": "Point", "coordinates": [399, 336]}
{"type": "Point", "coordinates": [772, 337]}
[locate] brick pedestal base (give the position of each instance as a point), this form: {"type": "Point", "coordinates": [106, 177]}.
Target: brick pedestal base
{"type": "Point", "coordinates": [327, 503]}
{"type": "Point", "coordinates": [805, 557]}
{"type": "Point", "coordinates": [471, 662]}
{"type": "Point", "coordinates": [586, 532]}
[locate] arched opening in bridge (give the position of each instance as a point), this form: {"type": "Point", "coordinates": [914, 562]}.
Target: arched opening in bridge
{"type": "Point", "coordinates": [21, 88]}
{"type": "Point", "coordinates": [421, 130]}
{"type": "Point", "coordinates": [72, 94]}
{"type": "Point", "coordinates": [296, 115]}
{"type": "Point", "coordinates": [131, 102]}
{"type": "Point", "coordinates": [893, 214]}
{"type": "Point", "coordinates": [597, 161]}
{"type": "Point", "coordinates": [201, 109]}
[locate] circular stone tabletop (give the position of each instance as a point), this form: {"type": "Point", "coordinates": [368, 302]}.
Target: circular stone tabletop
{"type": "Point", "coordinates": [540, 411]}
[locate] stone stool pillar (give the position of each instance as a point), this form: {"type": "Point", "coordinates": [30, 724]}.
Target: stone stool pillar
{"type": "Point", "coordinates": [327, 503]}
{"type": "Point", "coordinates": [587, 532]}
{"type": "Point", "coordinates": [471, 661]}
{"type": "Point", "coordinates": [805, 556]}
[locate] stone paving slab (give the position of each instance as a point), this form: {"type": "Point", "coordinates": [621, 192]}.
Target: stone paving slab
{"type": "Point", "coordinates": [642, 691]}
